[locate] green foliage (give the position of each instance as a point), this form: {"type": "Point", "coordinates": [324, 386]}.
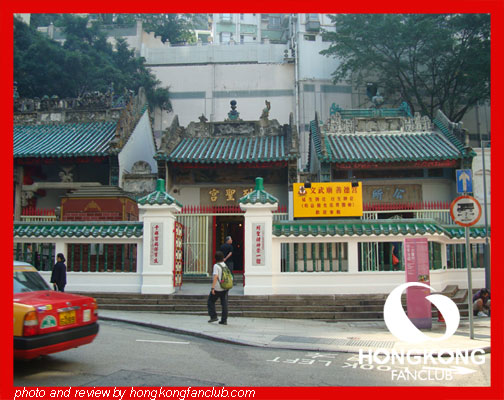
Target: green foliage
{"type": "Point", "coordinates": [86, 62]}
{"type": "Point", "coordinates": [174, 28]}
{"type": "Point", "coordinates": [435, 61]}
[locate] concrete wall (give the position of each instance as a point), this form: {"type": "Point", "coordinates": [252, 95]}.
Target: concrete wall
{"type": "Point", "coordinates": [208, 89]}
{"type": "Point", "coordinates": [260, 280]}
{"type": "Point", "coordinates": [270, 280]}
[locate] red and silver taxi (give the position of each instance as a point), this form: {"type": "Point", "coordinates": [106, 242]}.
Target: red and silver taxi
{"type": "Point", "coordinates": [46, 321]}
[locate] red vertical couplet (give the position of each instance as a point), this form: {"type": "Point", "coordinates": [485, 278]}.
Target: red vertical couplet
{"type": "Point", "coordinates": [417, 270]}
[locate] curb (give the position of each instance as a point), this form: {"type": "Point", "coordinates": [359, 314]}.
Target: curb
{"type": "Point", "coordinates": [486, 349]}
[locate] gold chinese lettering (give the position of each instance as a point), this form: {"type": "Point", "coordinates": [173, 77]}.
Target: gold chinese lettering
{"type": "Point", "coordinates": [230, 194]}
{"type": "Point", "coordinates": [214, 193]}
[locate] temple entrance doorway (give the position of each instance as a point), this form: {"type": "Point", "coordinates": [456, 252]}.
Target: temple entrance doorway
{"type": "Point", "coordinates": [233, 226]}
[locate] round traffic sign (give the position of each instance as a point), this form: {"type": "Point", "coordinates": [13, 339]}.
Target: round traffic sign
{"type": "Point", "coordinates": [465, 210]}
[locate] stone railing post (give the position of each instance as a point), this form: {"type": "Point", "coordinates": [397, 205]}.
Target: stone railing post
{"type": "Point", "coordinates": [157, 214]}
{"type": "Point", "coordinates": [259, 260]}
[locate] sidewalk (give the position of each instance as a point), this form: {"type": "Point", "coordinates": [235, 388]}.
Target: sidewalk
{"type": "Point", "coordinates": [307, 335]}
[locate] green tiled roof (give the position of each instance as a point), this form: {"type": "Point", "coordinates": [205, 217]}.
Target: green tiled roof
{"type": "Point", "coordinates": [388, 148]}
{"type": "Point", "coordinates": [229, 150]}
{"type": "Point", "coordinates": [159, 196]}
{"type": "Point", "coordinates": [458, 232]}
{"type": "Point", "coordinates": [79, 229]}
{"type": "Point", "coordinates": [259, 195]}
{"type": "Point", "coordinates": [368, 228]}
{"type": "Point", "coordinates": [63, 140]}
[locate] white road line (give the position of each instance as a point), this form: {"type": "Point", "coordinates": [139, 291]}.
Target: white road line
{"type": "Point", "coordinates": [161, 341]}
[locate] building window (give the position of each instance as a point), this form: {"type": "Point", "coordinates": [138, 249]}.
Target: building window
{"type": "Point", "coordinates": [225, 37]}
{"type": "Point", "coordinates": [226, 17]}
{"type": "Point", "coordinates": [274, 22]}
{"type": "Point", "coordinates": [310, 38]}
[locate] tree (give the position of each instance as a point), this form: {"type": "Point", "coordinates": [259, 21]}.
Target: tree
{"type": "Point", "coordinates": [435, 61]}
{"type": "Point", "coordinates": [174, 28]}
{"type": "Point", "coordinates": [85, 62]}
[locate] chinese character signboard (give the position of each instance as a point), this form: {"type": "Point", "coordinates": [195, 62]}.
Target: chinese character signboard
{"type": "Point", "coordinates": [222, 196]}
{"type": "Point", "coordinates": [416, 253]}
{"type": "Point", "coordinates": [258, 254]}
{"type": "Point", "coordinates": [327, 199]}
{"type": "Point", "coordinates": [156, 244]}
{"type": "Point", "coordinates": [179, 251]}
{"type": "Point", "coordinates": [392, 193]}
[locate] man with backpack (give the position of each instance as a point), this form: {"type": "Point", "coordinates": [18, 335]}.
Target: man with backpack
{"type": "Point", "coordinates": [222, 281]}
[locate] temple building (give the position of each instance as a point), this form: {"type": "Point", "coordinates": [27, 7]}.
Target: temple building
{"type": "Point", "coordinates": [209, 166]}
{"type": "Point", "coordinates": [406, 163]}
{"type": "Point", "coordinates": [82, 159]}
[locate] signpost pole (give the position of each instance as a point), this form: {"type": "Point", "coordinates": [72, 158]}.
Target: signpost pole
{"type": "Point", "coordinates": [469, 283]}
{"type": "Point", "coordinates": [466, 211]}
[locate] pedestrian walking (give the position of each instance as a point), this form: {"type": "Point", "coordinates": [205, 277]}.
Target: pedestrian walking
{"type": "Point", "coordinates": [217, 292]}
{"type": "Point", "coordinates": [58, 276]}
{"type": "Point", "coordinates": [227, 250]}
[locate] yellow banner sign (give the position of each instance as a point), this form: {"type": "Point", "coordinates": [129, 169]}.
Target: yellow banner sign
{"type": "Point", "coordinates": [327, 199]}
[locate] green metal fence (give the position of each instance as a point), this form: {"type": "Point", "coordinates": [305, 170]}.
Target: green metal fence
{"type": "Point", "coordinates": [456, 257]}
{"type": "Point", "coordinates": [377, 256]}
{"type": "Point", "coordinates": [314, 257]}
{"type": "Point", "coordinates": [100, 257]}
{"type": "Point", "coordinates": [40, 255]}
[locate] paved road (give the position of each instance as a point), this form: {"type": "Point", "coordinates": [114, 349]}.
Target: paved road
{"type": "Point", "coordinates": [128, 355]}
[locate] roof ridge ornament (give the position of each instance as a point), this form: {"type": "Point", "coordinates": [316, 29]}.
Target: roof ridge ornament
{"type": "Point", "coordinates": [159, 196]}
{"type": "Point", "coordinates": [233, 115]}
{"type": "Point", "coordinates": [259, 195]}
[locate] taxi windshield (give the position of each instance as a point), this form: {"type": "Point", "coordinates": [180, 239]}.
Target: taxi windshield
{"type": "Point", "coordinates": [29, 281]}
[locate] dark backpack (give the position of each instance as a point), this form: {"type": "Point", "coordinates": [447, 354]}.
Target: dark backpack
{"type": "Point", "coordinates": [226, 282]}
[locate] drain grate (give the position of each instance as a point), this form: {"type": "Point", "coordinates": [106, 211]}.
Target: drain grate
{"type": "Point", "coordinates": [370, 343]}
{"type": "Point", "coordinates": [335, 341]}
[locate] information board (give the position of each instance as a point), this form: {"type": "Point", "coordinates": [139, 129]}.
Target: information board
{"type": "Point", "coordinates": [416, 253]}
{"type": "Point", "coordinates": [327, 199]}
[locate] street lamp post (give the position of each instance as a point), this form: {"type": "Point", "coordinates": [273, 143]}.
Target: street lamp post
{"type": "Point", "coordinates": [486, 257]}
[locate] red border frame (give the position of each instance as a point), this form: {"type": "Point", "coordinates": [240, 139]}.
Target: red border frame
{"type": "Point", "coordinates": [495, 7]}
{"type": "Point", "coordinates": [452, 206]}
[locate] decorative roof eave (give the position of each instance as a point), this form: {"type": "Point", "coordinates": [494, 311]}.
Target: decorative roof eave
{"type": "Point", "coordinates": [441, 122]}
{"type": "Point", "coordinates": [376, 228]}
{"type": "Point", "coordinates": [458, 232]}
{"type": "Point", "coordinates": [159, 197]}
{"type": "Point", "coordinates": [259, 195]}
{"type": "Point", "coordinates": [84, 230]}
{"type": "Point", "coordinates": [164, 157]}
{"type": "Point", "coordinates": [289, 157]}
